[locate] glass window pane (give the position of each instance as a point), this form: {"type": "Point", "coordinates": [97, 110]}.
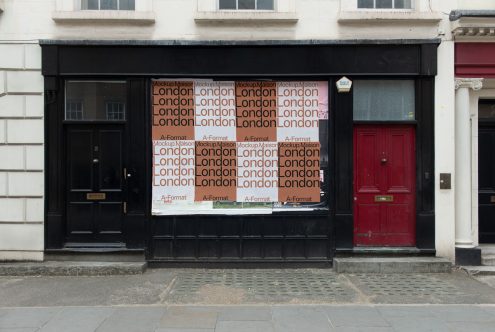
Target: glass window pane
{"type": "Point", "coordinates": [227, 4]}
{"type": "Point", "coordinates": [89, 5]}
{"type": "Point", "coordinates": [486, 109]}
{"type": "Point", "coordinates": [95, 100]}
{"type": "Point", "coordinates": [265, 4]}
{"type": "Point", "coordinates": [365, 3]}
{"type": "Point", "coordinates": [246, 4]}
{"type": "Point", "coordinates": [384, 4]}
{"type": "Point", "coordinates": [108, 4]}
{"type": "Point", "coordinates": [126, 5]}
{"type": "Point", "coordinates": [384, 100]}
{"type": "Point", "coordinates": [402, 4]}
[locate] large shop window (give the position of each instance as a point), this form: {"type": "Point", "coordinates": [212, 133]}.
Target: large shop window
{"type": "Point", "coordinates": [246, 4]}
{"type": "Point", "coordinates": [385, 4]}
{"type": "Point", "coordinates": [107, 4]}
{"type": "Point", "coordinates": [244, 147]}
{"type": "Point", "coordinates": [95, 101]}
{"type": "Point", "coordinates": [384, 100]}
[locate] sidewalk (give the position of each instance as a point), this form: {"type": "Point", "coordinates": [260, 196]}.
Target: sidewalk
{"type": "Point", "coordinates": [248, 300]}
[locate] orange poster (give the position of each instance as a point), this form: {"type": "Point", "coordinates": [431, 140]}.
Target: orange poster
{"type": "Point", "coordinates": [256, 109]}
{"type": "Point", "coordinates": [216, 171]}
{"type": "Point", "coordinates": [173, 110]}
{"type": "Point", "coordinates": [299, 175]}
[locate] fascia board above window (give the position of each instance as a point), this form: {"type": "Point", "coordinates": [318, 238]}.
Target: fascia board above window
{"type": "Point", "coordinates": [110, 16]}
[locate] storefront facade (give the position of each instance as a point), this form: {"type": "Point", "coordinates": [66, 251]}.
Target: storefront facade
{"type": "Point", "coordinates": [375, 160]}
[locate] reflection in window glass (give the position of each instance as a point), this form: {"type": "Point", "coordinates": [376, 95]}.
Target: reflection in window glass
{"type": "Point", "coordinates": [385, 4]}
{"type": "Point", "coordinates": [107, 4]}
{"type": "Point", "coordinates": [246, 4]}
{"type": "Point", "coordinates": [74, 110]}
{"type": "Point", "coordinates": [379, 100]}
{"type": "Point", "coordinates": [366, 4]}
{"type": "Point", "coordinates": [115, 111]}
{"type": "Point", "coordinates": [86, 100]}
{"type": "Point", "coordinates": [486, 109]}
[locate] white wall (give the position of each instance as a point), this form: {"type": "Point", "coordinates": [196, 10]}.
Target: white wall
{"type": "Point", "coordinates": [21, 151]}
{"type": "Point", "coordinates": [175, 19]}
{"type": "Point", "coordinates": [476, 4]}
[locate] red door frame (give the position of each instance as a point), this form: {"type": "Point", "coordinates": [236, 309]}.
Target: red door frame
{"type": "Point", "coordinates": [384, 170]}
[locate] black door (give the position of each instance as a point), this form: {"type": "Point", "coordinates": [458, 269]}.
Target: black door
{"type": "Point", "coordinates": [95, 184]}
{"type": "Point", "coordinates": [486, 171]}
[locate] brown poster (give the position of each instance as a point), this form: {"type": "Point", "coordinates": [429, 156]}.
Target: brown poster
{"type": "Point", "coordinates": [299, 172]}
{"type": "Point", "coordinates": [256, 110]}
{"type": "Point", "coordinates": [216, 171]}
{"type": "Point", "coordinates": [173, 110]}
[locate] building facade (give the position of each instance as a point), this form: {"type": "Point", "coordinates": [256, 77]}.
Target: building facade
{"type": "Point", "coordinates": [215, 131]}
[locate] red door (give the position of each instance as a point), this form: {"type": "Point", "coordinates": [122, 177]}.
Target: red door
{"type": "Point", "coordinates": [384, 185]}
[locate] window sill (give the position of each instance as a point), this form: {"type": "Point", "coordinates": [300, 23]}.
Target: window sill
{"type": "Point", "coordinates": [356, 17]}
{"type": "Point", "coordinates": [245, 17]}
{"type": "Point", "coordinates": [108, 16]}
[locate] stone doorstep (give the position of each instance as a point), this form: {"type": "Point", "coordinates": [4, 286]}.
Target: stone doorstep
{"type": "Point", "coordinates": [65, 268]}
{"type": "Point", "coordinates": [479, 270]}
{"type": "Point", "coordinates": [488, 260]}
{"type": "Point", "coordinates": [392, 265]}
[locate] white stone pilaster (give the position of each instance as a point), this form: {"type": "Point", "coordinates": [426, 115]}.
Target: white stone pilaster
{"type": "Point", "coordinates": [463, 178]}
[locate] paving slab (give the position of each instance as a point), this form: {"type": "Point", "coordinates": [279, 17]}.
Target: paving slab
{"type": "Point", "coordinates": [244, 326]}
{"type": "Point", "coordinates": [297, 319]}
{"type": "Point", "coordinates": [133, 319]}
{"type": "Point", "coordinates": [72, 319]}
{"type": "Point", "coordinates": [189, 318]}
{"type": "Point", "coordinates": [357, 317]}
{"type": "Point", "coordinates": [27, 317]}
{"type": "Point", "coordinates": [242, 313]}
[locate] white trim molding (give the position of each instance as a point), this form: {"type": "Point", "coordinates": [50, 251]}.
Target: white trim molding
{"type": "Point", "coordinates": [70, 12]}
{"type": "Point", "coordinates": [421, 12]}
{"type": "Point", "coordinates": [207, 12]}
{"type": "Point", "coordinates": [471, 83]}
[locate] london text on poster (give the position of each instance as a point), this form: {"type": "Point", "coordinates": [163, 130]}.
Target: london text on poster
{"type": "Point", "coordinates": [232, 147]}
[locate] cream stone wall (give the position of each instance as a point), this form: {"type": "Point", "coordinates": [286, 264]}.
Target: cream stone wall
{"type": "Point", "coordinates": [21, 151]}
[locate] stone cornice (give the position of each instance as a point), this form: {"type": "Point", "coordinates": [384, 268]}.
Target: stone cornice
{"type": "Point", "coordinates": [470, 83]}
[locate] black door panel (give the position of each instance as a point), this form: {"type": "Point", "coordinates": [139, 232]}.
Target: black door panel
{"type": "Point", "coordinates": [486, 183]}
{"type": "Point", "coordinates": [95, 193]}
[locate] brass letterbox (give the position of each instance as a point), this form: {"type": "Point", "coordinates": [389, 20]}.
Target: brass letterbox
{"type": "Point", "coordinates": [384, 198]}
{"type": "Point", "coordinates": [96, 196]}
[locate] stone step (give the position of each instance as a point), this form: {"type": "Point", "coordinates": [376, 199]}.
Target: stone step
{"type": "Point", "coordinates": [488, 260]}
{"type": "Point", "coordinates": [392, 265]}
{"type": "Point", "coordinates": [487, 249]}
{"type": "Point", "coordinates": [67, 268]}
{"type": "Point", "coordinates": [479, 270]}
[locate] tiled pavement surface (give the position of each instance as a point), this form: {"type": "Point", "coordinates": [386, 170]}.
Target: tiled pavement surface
{"type": "Point", "coordinates": [244, 286]}
{"type": "Point", "coordinates": [251, 318]}
{"type": "Point", "coordinates": [168, 300]}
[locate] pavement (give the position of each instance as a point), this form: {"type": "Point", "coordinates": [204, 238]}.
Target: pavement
{"type": "Point", "coordinates": [194, 300]}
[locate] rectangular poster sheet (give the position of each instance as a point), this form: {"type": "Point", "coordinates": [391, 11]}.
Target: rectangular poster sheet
{"type": "Point", "coordinates": [250, 147]}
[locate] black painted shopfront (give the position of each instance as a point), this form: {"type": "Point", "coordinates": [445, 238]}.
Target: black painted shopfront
{"type": "Point", "coordinates": [89, 204]}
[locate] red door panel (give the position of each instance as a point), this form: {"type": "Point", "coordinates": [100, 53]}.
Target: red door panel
{"type": "Point", "coordinates": [384, 185]}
